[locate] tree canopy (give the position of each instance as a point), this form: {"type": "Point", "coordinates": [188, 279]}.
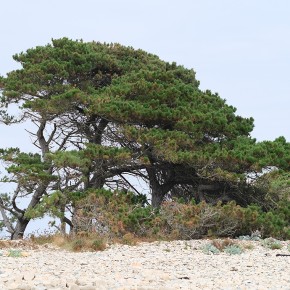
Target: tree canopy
{"type": "Point", "coordinates": [106, 113]}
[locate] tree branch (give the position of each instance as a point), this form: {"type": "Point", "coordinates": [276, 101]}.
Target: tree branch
{"type": "Point", "coordinates": [7, 223]}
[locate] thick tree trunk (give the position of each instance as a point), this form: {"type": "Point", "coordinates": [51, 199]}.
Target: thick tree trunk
{"type": "Point", "coordinates": [158, 191]}
{"type": "Point", "coordinates": [157, 198]}
{"type": "Point", "coordinates": [19, 229]}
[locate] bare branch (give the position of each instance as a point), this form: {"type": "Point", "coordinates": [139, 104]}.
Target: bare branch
{"type": "Point", "coordinates": [6, 221]}
{"type": "Point", "coordinates": [52, 134]}
{"type": "Point", "coordinates": [3, 206]}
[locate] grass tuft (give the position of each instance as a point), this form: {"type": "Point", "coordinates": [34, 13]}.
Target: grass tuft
{"type": "Point", "coordinates": [272, 244]}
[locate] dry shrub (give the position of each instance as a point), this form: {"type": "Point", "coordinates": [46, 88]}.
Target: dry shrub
{"type": "Point", "coordinates": [59, 240]}
{"type": "Point", "coordinates": [3, 244]}
{"type": "Point", "coordinates": [98, 244]}
{"type": "Point", "coordinates": [222, 244]}
{"type": "Point", "coordinates": [190, 221]}
{"type": "Point", "coordinates": [129, 239]}
{"type": "Point", "coordinates": [75, 242]}
{"type": "Point", "coordinates": [89, 242]}
{"type": "Point", "coordinates": [116, 215]}
{"type": "Point", "coordinates": [248, 246]}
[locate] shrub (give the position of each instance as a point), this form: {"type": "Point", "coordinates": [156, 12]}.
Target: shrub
{"type": "Point", "coordinates": [14, 253]}
{"type": "Point", "coordinates": [210, 249]}
{"type": "Point", "coordinates": [78, 245]}
{"type": "Point", "coordinates": [222, 244]}
{"type": "Point", "coordinates": [272, 243]}
{"type": "Point", "coordinates": [190, 221]}
{"type": "Point", "coordinates": [233, 250]}
{"type": "Point", "coordinates": [115, 214]}
{"type": "Point", "coordinates": [129, 239]}
{"type": "Point", "coordinates": [248, 246]}
{"type": "Point", "coordinates": [98, 245]}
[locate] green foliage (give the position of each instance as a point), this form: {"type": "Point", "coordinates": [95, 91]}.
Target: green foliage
{"type": "Point", "coordinates": [210, 249]}
{"type": "Point", "coordinates": [173, 220]}
{"type": "Point", "coordinates": [276, 184]}
{"type": "Point", "coordinates": [98, 245]}
{"type": "Point", "coordinates": [217, 246]}
{"type": "Point", "coordinates": [49, 204]}
{"type": "Point", "coordinates": [121, 212]}
{"type": "Point", "coordinates": [78, 245]}
{"type": "Point", "coordinates": [103, 110]}
{"type": "Point", "coordinates": [14, 253]}
{"type": "Point", "coordinates": [27, 167]}
{"type": "Point", "coordinates": [233, 250]}
{"type": "Point", "coordinates": [272, 244]}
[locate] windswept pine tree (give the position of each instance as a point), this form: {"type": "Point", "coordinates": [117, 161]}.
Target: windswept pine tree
{"type": "Point", "coordinates": [103, 112]}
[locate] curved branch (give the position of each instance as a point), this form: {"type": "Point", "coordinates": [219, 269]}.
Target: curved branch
{"type": "Point", "coordinates": [15, 195]}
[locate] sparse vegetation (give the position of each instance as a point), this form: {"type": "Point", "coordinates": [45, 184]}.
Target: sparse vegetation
{"type": "Point", "coordinates": [15, 253]}
{"type": "Point", "coordinates": [272, 244]}
{"type": "Point", "coordinates": [210, 249]}
{"type": "Point", "coordinates": [226, 245]}
{"type": "Point", "coordinates": [233, 249]}
{"type": "Point", "coordinates": [221, 244]}
{"type": "Point", "coordinates": [248, 246]}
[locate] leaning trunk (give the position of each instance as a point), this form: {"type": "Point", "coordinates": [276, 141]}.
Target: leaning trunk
{"type": "Point", "coordinates": [19, 229]}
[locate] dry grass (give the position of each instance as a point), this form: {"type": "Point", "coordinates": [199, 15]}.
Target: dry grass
{"type": "Point", "coordinates": [76, 243]}
{"type": "Point", "coordinates": [248, 246]}
{"type": "Point", "coordinates": [222, 244]}
{"type": "Point", "coordinates": [85, 241]}
{"type": "Point", "coordinates": [18, 244]}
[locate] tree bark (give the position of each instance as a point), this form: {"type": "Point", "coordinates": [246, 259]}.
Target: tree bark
{"type": "Point", "coordinates": [157, 198]}
{"type": "Point", "coordinates": [19, 229]}
{"type": "Point", "coordinates": [158, 191]}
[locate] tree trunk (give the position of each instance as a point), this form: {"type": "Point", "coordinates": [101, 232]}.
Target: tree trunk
{"type": "Point", "coordinates": [158, 191]}
{"type": "Point", "coordinates": [157, 198]}
{"type": "Point", "coordinates": [19, 229]}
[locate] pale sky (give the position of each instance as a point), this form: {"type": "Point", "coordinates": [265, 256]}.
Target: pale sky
{"type": "Point", "coordinates": [240, 49]}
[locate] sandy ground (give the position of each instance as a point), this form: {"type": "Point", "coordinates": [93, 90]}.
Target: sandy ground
{"type": "Point", "coordinates": [158, 265]}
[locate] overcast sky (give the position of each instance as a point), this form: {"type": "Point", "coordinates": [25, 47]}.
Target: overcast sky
{"type": "Point", "coordinates": [240, 49]}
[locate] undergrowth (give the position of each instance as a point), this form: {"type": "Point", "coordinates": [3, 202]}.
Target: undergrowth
{"type": "Point", "coordinates": [117, 214]}
{"type": "Point", "coordinates": [106, 217]}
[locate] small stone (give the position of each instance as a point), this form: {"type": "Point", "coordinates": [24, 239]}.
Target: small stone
{"type": "Point", "coordinates": [24, 287]}
{"type": "Point", "coordinates": [88, 287]}
{"type": "Point", "coordinates": [74, 287]}
{"type": "Point", "coordinates": [12, 286]}
{"type": "Point", "coordinates": [24, 254]}
{"type": "Point", "coordinates": [28, 276]}
{"type": "Point", "coordinates": [39, 287]}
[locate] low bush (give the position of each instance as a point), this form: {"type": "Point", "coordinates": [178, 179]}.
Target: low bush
{"type": "Point", "coordinates": [210, 249]}
{"type": "Point", "coordinates": [226, 245]}
{"type": "Point", "coordinates": [272, 244]}
{"type": "Point", "coordinates": [222, 244]}
{"type": "Point", "coordinates": [120, 214]}
{"type": "Point", "coordinates": [234, 250]}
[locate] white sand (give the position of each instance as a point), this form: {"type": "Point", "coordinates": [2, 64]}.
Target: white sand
{"type": "Point", "coordinates": [159, 265]}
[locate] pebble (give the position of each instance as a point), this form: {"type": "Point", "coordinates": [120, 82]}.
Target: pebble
{"type": "Point", "coordinates": [158, 266]}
